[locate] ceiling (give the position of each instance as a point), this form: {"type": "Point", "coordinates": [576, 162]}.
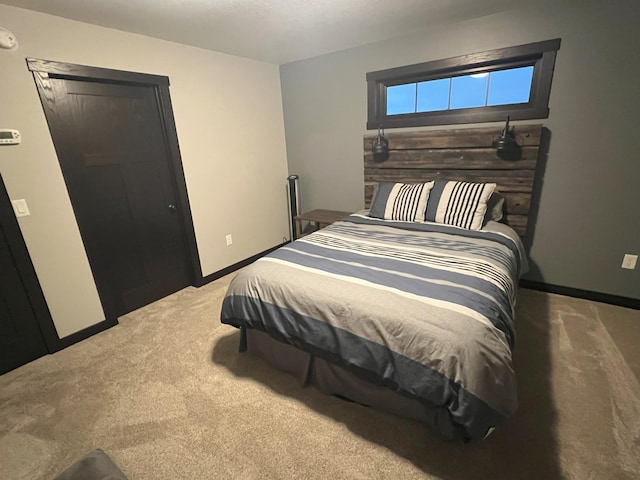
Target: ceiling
{"type": "Point", "coordinates": [274, 31]}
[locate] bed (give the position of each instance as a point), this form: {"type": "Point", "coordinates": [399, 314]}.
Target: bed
{"type": "Point", "coordinates": [401, 310]}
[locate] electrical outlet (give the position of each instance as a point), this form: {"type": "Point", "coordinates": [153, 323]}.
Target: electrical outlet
{"type": "Point", "coordinates": [229, 240]}
{"type": "Point", "coordinates": [630, 261]}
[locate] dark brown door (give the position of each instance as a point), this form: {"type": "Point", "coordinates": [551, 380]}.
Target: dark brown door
{"type": "Point", "coordinates": [115, 160]}
{"type": "Point", "coordinates": [20, 337]}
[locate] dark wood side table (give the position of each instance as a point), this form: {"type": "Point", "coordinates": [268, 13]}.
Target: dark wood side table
{"type": "Point", "coordinates": [320, 218]}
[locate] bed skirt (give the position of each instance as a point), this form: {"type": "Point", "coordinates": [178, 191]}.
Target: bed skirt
{"type": "Point", "coordinates": [331, 379]}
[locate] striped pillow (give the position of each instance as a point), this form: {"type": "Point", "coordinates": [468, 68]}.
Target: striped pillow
{"type": "Point", "coordinates": [461, 204]}
{"type": "Point", "coordinates": [406, 202]}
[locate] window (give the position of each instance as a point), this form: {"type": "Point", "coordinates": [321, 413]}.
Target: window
{"type": "Point", "coordinates": [480, 87]}
{"type": "Point", "coordinates": [500, 87]}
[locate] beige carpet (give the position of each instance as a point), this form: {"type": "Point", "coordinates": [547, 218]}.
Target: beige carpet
{"type": "Point", "coordinates": [167, 396]}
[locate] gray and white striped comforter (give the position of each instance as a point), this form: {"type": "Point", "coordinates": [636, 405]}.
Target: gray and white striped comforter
{"type": "Point", "coordinates": [424, 309]}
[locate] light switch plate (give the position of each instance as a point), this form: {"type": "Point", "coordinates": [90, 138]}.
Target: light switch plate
{"type": "Point", "coordinates": [20, 207]}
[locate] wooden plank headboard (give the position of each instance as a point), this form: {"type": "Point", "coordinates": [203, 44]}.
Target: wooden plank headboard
{"type": "Point", "coordinates": [462, 154]}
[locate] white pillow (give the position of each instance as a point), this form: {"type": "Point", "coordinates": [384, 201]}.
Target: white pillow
{"type": "Point", "coordinates": [405, 202]}
{"type": "Point", "coordinates": [462, 204]}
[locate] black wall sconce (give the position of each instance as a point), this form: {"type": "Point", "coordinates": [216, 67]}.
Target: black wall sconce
{"type": "Point", "coordinates": [506, 146]}
{"type": "Point", "coordinates": [380, 147]}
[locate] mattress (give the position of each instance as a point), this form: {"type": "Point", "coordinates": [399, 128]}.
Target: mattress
{"type": "Point", "coordinates": [423, 309]}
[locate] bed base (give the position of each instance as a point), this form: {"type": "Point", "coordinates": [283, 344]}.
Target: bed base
{"type": "Point", "coordinates": [332, 379]}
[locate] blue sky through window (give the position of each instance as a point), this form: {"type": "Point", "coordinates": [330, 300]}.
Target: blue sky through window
{"type": "Point", "coordinates": [401, 99]}
{"type": "Point", "coordinates": [469, 91]}
{"type": "Point", "coordinates": [433, 95]}
{"type": "Point", "coordinates": [501, 87]}
{"type": "Point", "coordinates": [510, 86]}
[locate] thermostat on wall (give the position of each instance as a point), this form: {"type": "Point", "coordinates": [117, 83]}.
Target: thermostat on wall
{"type": "Point", "coordinates": [9, 136]}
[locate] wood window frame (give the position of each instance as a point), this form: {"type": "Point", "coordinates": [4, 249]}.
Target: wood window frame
{"type": "Point", "coordinates": [540, 55]}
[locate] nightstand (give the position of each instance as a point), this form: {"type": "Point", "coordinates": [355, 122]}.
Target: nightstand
{"type": "Point", "coordinates": [320, 218]}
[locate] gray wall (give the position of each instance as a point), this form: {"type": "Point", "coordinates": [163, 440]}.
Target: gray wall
{"type": "Point", "coordinates": [588, 212]}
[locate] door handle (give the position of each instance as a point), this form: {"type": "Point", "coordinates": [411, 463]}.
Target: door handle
{"type": "Point", "coordinates": [172, 208]}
